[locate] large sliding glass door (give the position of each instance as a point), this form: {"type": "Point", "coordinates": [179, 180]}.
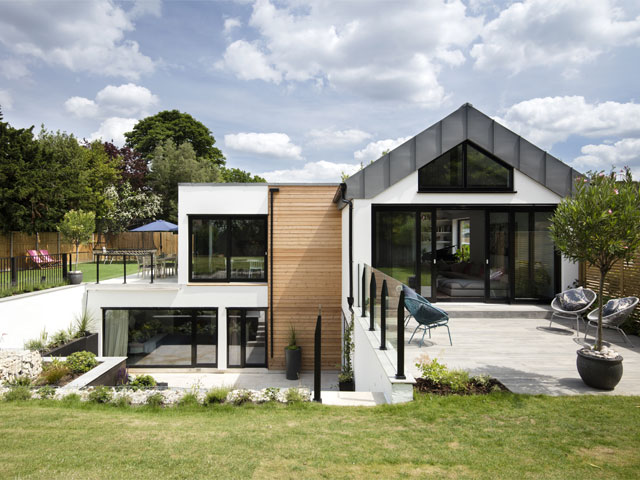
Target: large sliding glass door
{"type": "Point", "coordinates": [246, 338]}
{"type": "Point", "coordinates": [481, 253]}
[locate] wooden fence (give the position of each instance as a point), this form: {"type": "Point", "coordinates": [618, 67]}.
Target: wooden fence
{"type": "Point", "coordinates": [17, 244]}
{"type": "Point", "coordinates": [622, 281]}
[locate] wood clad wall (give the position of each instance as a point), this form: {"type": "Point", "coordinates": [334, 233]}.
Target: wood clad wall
{"type": "Point", "coordinates": [307, 272]}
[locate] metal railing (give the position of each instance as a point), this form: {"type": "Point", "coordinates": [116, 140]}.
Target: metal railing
{"type": "Point", "coordinates": [381, 298]}
{"type": "Point", "coordinates": [22, 272]}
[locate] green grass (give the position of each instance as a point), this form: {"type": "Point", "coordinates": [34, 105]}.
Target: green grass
{"type": "Point", "coordinates": [495, 436]}
{"type": "Point", "coordinates": [107, 271]}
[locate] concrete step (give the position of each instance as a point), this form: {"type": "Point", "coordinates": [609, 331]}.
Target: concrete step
{"type": "Point", "coordinates": [490, 310]}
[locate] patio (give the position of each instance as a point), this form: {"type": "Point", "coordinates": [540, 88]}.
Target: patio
{"type": "Point", "coordinates": [512, 349]}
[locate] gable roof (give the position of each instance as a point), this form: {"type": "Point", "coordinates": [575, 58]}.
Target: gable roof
{"type": "Point", "coordinates": [466, 123]}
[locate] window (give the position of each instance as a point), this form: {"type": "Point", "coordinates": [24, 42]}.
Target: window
{"type": "Point", "coordinates": [465, 168]}
{"type": "Point", "coordinates": [227, 248]}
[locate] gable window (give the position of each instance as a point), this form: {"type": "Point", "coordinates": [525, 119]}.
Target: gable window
{"type": "Point", "coordinates": [465, 168]}
{"type": "Point", "coordinates": [227, 248]}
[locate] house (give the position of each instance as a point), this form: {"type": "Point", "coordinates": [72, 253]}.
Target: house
{"type": "Point", "coordinates": [460, 212]}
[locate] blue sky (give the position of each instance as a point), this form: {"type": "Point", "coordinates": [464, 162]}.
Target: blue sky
{"type": "Point", "coordinates": [302, 91]}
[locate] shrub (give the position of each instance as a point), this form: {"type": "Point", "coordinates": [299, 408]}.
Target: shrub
{"type": "Point", "coordinates": [22, 381]}
{"type": "Point", "coordinates": [17, 393]}
{"type": "Point", "coordinates": [59, 338]}
{"type": "Point", "coordinates": [293, 395]}
{"type": "Point", "coordinates": [81, 362]}
{"type": "Point", "coordinates": [216, 395]}
{"type": "Point", "coordinates": [83, 324]}
{"type": "Point", "coordinates": [457, 380]}
{"type": "Point", "coordinates": [271, 393]}
{"type": "Point", "coordinates": [54, 372]}
{"type": "Point", "coordinates": [121, 401]}
{"type": "Point", "coordinates": [242, 396]}
{"type": "Point", "coordinates": [188, 399]}
{"type": "Point", "coordinates": [142, 382]}
{"type": "Point", "coordinates": [155, 400]}
{"type": "Point", "coordinates": [101, 394]}
{"type": "Point", "coordinates": [46, 392]}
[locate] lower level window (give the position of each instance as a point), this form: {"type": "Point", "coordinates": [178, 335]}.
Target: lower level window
{"type": "Point", "coordinates": [151, 337]}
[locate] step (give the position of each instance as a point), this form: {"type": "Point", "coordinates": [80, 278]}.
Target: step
{"type": "Point", "coordinates": [490, 310]}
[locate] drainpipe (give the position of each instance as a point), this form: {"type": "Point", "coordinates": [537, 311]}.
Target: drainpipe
{"type": "Point", "coordinates": [343, 199]}
{"type": "Point", "coordinates": [272, 191]}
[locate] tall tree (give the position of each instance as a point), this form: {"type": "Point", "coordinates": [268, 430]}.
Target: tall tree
{"type": "Point", "coordinates": [128, 208]}
{"type": "Point", "coordinates": [235, 175]}
{"type": "Point", "coordinates": [152, 132]}
{"type": "Point", "coordinates": [173, 164]}
{"type": "Point", "coordinates": [132, 166]}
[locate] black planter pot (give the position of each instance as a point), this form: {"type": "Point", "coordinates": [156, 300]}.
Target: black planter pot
{"type": "Point", "coordinates": [75, 278]}
{"type": "Point", "coordinates": [293, 362]}
{"type": "Point", "coordinates": [601, 373]}
{"type": "Point", "coordinates": [88, 343]}
{"type": "Point", "coordinates": [349, 386]}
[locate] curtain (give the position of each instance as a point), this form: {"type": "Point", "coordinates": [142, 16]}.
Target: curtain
{"type": "Point", "coordinates": [116, 333]}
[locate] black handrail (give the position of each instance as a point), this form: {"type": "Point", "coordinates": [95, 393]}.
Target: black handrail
{"type": "Point", "coordinates": [372, 302]}
{"type": "Point", "coordinates": [383, 315]}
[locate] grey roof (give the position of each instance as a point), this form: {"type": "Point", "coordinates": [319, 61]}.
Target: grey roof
{"type": "Point", "coordinates": [466, 123]}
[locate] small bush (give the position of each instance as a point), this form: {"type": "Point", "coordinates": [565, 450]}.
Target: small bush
{"type": "Point", "coordinates": [54, 372]}
{"type": "Point", "coordinates": [142, 382]}
{"type": "Point", "coordinates": [121, 401]}
{"type": "Point", "coordinates": [46, 392]}
{"type": "Point", "coordinates": [155, 400]}
{"type": "Point", "coordinates": [71, 398]}
{"type": "Point", "coordinates": [81, 362]}
{"type": "Point", "coordinates": [242, 396]}
{"type": "Point", "coordinates": [272, 394]}
{"type": "Point", "coordinates": [37, 344]}
{"type": "Point", "coordinates": [434, 371]}
{"type": "Point", "coordinates": [101, 394]}
{"type": "Point", "coordinates": [18, 393]}
{"type": "Point", "coordinates": [216, 395]}
{"type": "Point", "coordinates": [22, 381]}
{"type": "Point", "coordinates": [293, 395]}
{"type": "Point", "coordinates": [188, 399]}
{"type": "Point", "coordinates": [59, 338]}
{"type": "Point", "coordinates": [83, 325]}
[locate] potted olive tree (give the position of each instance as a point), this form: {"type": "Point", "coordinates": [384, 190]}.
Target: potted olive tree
{"type": "Point", "coordinates": [293, 356]}
{"type": "Point", "coordinates": [599, 225]}
{"type": "Point", "coordinates": [77, 227]}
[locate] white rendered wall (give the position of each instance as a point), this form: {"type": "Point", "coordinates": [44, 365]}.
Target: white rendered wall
{"type": "Point", "coordinates": [527, 192]}
{"type": "Point", "coordinates": [215, 199]}
{"type": "Point", "coordinates": [24, 317]}
{"type": "Point", "coordinates": [221, 297]}
{"type": "Point", "coordinates": [569, 273]}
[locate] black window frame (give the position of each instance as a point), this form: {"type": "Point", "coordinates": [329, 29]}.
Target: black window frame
{"type": "Point", "coordinates": [243, 345]}
{"type": "Point", "coordinates": [194, 346]}
{"type": "Point", "coordinates": [465, 188]}
{"type": "Point", "coordinates": [229, 254]}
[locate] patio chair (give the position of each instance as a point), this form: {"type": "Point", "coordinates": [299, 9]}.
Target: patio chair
{"type": "Point", "coordinates": [572, 303]}
{"type": "Point", "coordinates": [48, 258]}
{"type": "Point", "coordinates": [36, 259]}
{"type": "Point", "coordinates": [614, 314]}
{"type": "Point", "coordinates": [427, 315]}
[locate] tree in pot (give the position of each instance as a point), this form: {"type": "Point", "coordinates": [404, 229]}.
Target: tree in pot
{"type": "Point", "coordinates": [599, 225]}
{"type": "Point", "coordinates": [293, 356]}
{"type": "Point", "coordinates": [345, 377]}
{"type": "Point", "coordinates": [77, 227]}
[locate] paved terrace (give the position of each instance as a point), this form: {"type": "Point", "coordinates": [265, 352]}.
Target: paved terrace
{"type": "Point", "coordinates": [497, 340]}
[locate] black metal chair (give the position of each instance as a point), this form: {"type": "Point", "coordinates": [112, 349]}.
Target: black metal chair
{"type": "Point", "coordinates": [427, 315]}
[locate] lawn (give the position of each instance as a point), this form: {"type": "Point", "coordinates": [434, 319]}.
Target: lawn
{"type": "Point", "coordinates": [107, 271]}
{"type": "Point", "coordinates": [495, 436]}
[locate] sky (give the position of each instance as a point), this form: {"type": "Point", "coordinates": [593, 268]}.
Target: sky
{"type": "Point", "coordinates": [303, 91]}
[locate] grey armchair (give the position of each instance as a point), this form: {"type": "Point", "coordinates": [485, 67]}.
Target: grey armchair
{"type": "Point", "coordinates": [614, 314]}
{"type": "Point", "coordinates": [563, 309]}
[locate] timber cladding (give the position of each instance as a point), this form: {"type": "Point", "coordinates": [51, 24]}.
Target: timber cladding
{"type": "Point", "coordinates": [307, 272]}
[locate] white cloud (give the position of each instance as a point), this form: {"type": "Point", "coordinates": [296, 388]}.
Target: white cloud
{"type": "Point", "coordinates": [81, 107]}
{"type": "Point", "coordinates": [318, 172]}
{"type": "Point", "coordinates": [113, 130]}
{"type": "Point", "coordinates": [12, 69]}
{"type": "Point", "coordinates": [81, 36]}
{"type": "Point", "coordinates": [6, 102]}
{"type": "Point", "coordinates": [230, 24]}
{"type": "Point", "coordinates": [271, 144]}
{"type": "Point", "coordinates": [373, 150]}
{"type": "Point", "coordinates": [567, 33]}
{"type": "Point", "coordinates": [625, 152]}
{"type": "Point", "coordinates": [125, 100]}
{"type": "Point", "coordinates": [146, 7]}
{"type": "Point", "coordinates": [549, 120]}
{"type": "Point", "coordinates": [394, 51]}
{"type": "Point", "coordinates": [329, 137]}
{"type": "Point", "coordinates": [248, 63]}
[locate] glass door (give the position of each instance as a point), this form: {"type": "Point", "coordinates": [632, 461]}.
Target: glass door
{"type": "Point", "coordinates": [498, 271]}
{"type": "Point", "coordinates": [426, 254]}
{"type": "Point", "coordinates": [246, 338]}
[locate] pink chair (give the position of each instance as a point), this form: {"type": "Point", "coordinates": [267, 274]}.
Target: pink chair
{"type": "Point", "coordinates": [48, 258]}
{"type": "Point", "coordinates": [36, 259]}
